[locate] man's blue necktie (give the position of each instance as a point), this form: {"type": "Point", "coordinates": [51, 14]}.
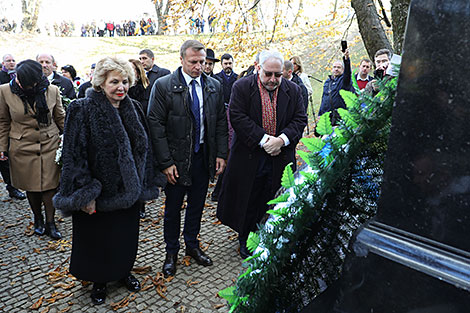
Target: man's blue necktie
{"type": "Point", "coordinates": [197, 117]}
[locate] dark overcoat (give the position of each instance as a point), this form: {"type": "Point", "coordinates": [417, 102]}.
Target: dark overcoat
{"type": "Point", "coordinates": [106, 156]}
{"type": "Point", "coordinates": [246, 119]}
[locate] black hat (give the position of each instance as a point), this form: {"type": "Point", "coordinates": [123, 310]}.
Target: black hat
{"type": "Point", "coordinates": [211, 55]}
{"type": "Point", "coordinates": [29, 73]}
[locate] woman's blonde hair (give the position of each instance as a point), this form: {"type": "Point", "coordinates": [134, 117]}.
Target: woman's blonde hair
{"type": "Point", "coordinates": [141, 71]}
{"type": "Point", "coordinates": [109, 64]}
{"type": "Point", "coordinates": [296, 60]}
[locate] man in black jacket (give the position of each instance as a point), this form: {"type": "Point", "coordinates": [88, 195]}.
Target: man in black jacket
{"type": "Point", "coordinates": [288, 73]}
{"type": "Point", "coordinates": [48, 64]}
{"type": "Point", "coordinates": [227, 75]}
{"type": "Point", "coordinates": [147, 58]}
{"type": "Point", "coordinates": [188, 126]}
{"type": "Point", "coordinates": [8, 69]}
{"type": "Point", "coordinates": [6, 75]}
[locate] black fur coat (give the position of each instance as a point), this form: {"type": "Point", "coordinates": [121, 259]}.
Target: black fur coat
{"type": "Point", "coordinates": [107, 156]}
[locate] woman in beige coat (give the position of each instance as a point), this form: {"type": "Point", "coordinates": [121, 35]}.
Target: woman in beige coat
{"type": "Point", "coordinates": [31, 115]}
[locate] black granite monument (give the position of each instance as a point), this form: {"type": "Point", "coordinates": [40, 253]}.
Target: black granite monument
{"type": "Point", "coordinates": [414, 256]}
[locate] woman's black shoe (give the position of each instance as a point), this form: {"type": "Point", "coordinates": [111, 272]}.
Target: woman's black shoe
{"type": "Point", "coordinates": [131, 283]}
{"type": "Point", "coordinates": [51, 231]}
{"type": "Point", "coordinates": [98, 293]}
{"type": "Point", "coordinates": [39, 226]}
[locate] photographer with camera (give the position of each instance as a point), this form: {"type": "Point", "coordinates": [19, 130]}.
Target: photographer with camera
{"type": "Point", "coordinates": [382, 60]}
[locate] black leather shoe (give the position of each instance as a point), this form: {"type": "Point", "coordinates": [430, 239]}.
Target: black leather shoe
{"type": "Point", "coordinates": [39, 228]}
{"type": "Point", "coordinates": [169, 266]}
{"type": "Point", "coordinates": [51, 231]}
{"type": "Point", "coordinates": [131, 283]}
{"type": "Point", "coordinates": [15, 193]}
{"type": "Point", "coordinates": [199, 256]}
{"type": "Point", "coordinates": [244, 252]}
{"type": "Point", "coordinates": [98, 293]}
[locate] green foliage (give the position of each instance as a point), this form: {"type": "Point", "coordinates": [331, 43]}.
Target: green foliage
{"type": "Point", "coordinates": [253, 241]}
{"type": "Point", "coordinates": [287, 179]}
{"type": "Point", "coordinates": [349, 98]}
{"type": "Point", "coordinates": [303, 244]}
{"type": "Point", "coordinates": [324, 124]}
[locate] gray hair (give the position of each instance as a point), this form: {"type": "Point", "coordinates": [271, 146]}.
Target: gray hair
{"type": "Point", "coordinates": [108, 64]}
{"type": "Point", "coordinates": [288, 65]}
{"type": "Point", "coordinates": [7, 55]}
{"type": "Point", "coordinates": [50, 55]}
{"type": "Point", "coordinates": [266, 55]}
{"type": "Point", "coordinates": [193, 44]}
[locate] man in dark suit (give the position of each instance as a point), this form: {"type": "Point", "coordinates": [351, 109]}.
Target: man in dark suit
{"type": "Point", "coordinates": [268, 117]}
{"type": "Point", "coordinates": [188, 127]}
{"type": "Point", "coordinates": [48, 64]}
{"type": "Point", "coordinates": [6, 75]}
{"type": "Point", "coordinates": [210, 62]}
{"type": "Point", "coordinates": [227, 75]}
{"type": "Point", "coordinates": [147, 58]}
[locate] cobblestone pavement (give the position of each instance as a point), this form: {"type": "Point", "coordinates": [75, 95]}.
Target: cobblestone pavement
{"type": "Point", "coordinates": [34, 270]}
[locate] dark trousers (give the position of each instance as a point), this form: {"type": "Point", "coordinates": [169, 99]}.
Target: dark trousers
{"type": "Point", "coordinates": [260, 195]}
{"type": "Point", "coordinates": [195, 203]}
{"type": "Point", "coordinates": [5, 171]}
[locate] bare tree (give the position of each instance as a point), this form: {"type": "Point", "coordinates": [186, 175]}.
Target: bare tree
{"type": "Point", "coordinates": [162, 8]}
{"type": "Point", "coordinates": [370, 27]}
{"type": "Point", "coordinates": [399, 16]}
{"type": "Point", "coordinates": [30, 10]}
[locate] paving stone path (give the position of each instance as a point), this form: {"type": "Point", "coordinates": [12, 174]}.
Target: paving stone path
{"type": "Point", "coordinates": [34, 270]}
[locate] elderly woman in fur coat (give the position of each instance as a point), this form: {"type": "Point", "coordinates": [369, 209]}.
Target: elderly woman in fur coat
{"type": "Point", "coordinates": [107, 172]}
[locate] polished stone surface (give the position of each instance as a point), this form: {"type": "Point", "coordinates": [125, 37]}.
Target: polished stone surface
{"type": "Point", "coordinates": [426, 187]}
{"type": "Point", "coordinates": [414, 256]}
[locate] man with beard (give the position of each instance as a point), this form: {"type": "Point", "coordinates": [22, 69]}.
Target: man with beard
{"type": "Point", "coordinates": [6, 75]}
{"type": "Point", "coordinates": [49, 65]}
{"type": "Point", "coordinates": [268, 116]}
{"type": "Point", "coordinates": [227, 76]}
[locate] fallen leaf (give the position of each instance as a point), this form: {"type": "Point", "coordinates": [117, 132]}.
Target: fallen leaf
{"type": "Point", "coordinates": [186, 260]}
{"type": "Point", "coordinates": [191, 283]}
{"type": "Point", "coordinates": [142, 270]}
{"type": "Point", "coordinates": [37, 250]}
{"type": "Point", "coordinates": [45, 310]}
{"type": "Point", "coordinates": [13, 248]}
{"type": "Point", "coordinates": [218, 306]}
{"type": "Point", "coordinates": [37, 304]}
{"type": "Point", "coordinates": [217, 222]}
{"type": "Point", "coordinates": [64, 285]}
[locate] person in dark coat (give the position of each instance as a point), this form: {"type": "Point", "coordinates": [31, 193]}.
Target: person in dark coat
{"type": "Point", "coordinates": [227, 75]}
{"type": "Point", "coordinates": [268, 117]}
{"type": "Point", "coordinates": [48, 64]}
{"type": "Point", "coordinates": [340, 78]}
{"type": "Point", "coordinates": [188, 126]}
{"type": "Point", "coordinates": [8, 73]}
{"type": "Point", "coordinates": [147, 58]}
{"type": "Point", "coordinates": [288, 73]}
{"type": "Point", "coordinates": [84, 87]}
{"type": "Point", "coordinates": [107, 172]}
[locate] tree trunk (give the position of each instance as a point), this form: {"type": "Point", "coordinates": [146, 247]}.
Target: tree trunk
{"type": "Point", "coordinates": [300, 9]}
{"type": "Point", "coordinates": [399, 17]}
{"type": "Point", "coordinates": [30, 10]}
{"type": "Point", "coordinates": [162, 14]}
{"type": "Point", "coordinates": [370, 27]}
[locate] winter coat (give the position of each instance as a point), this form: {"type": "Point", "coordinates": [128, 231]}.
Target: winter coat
{"type": "Point", "coordinates": [106, 156]}
{"type": "Point", "coordinates": [65, 86]}
{"type": "Point", "coordinates": [227, 84]}
{"type": "Point", "coordinates": [245, 154]}
{"type": "Point", "coordinates": [296, 79]}
{"type": "Point", "coordinates": [171, 124]}
{"type": "Point", "coordinates": [154, 74]}
{"type": "Point", "coordinates": [32, 148]}
{"type": "Point", "coordinates": [331, 99]}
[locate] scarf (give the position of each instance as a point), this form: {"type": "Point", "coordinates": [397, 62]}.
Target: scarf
{"type": "Point", "coordinates": [268, 108]}
{"type": "Point", "coordinates": [36, 98]}
{"type": "Point", "coordinates": [11, 73]}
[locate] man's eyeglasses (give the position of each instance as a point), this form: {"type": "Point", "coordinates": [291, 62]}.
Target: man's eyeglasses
{"type": "Point", "coordinates": [269, 74]}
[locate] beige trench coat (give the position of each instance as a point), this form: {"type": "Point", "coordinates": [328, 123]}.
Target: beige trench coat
{"type": "Point", "coordinates": [32, 149]}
